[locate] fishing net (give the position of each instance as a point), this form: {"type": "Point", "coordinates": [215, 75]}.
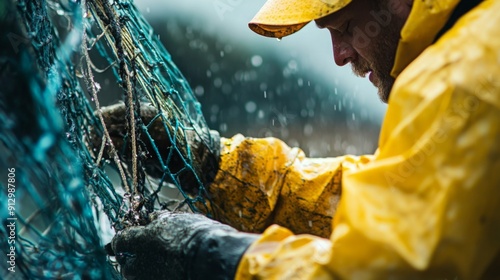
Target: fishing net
{"type": "Point", "coordinates": [73, 171]}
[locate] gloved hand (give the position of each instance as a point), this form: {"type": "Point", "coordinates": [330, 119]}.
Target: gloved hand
{"type": "Point", "coordinates": [180, 246]}
{"type": "Point", "coordinates": [202, 149]}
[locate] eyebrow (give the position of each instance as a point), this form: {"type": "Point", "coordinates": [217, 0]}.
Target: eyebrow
{"type": "Point", "coordinates": [340, 18]}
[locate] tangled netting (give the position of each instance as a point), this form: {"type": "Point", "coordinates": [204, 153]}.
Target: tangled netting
{"type": "Point", "coordinates": [73, 172]}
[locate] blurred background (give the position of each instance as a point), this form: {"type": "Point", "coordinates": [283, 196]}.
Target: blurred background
{"type": "Point", "coordinates": [260, 87]}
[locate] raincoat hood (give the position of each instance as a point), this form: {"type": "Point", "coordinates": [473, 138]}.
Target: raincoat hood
{"type": "Point", "coordinates": [279, 18]}
{"type": "Point", "coordinates": [426, 20]}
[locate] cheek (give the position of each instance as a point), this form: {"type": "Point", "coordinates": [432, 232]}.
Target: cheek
{"type": "Point", "coordinates": [365, 36]}
{"type": "Point", "coordinates": [367, 57]}
{"type": "Point", "coordinates": [399, 8]}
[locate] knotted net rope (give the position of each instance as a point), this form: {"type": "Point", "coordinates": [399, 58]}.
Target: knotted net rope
{"type": "Point", "coordinates": [63, 146]}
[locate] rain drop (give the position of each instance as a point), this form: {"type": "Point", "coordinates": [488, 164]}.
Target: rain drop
{"type": "Point", "coordinates": [223, 127]}
{"type": "Point", "coordinates": [199, 91]}
{"type": "Point", "coordinates": [60, 12]}
{"type": "Point", "coordinates": [308, 129]}
{"type": "Point", "coordinates": [217, 82]}
{"type": "Point", "coordinates": [261, 114]}
{"type": "Point", "coordinates": [263, 86]}
{"type": "Point", "coordinates": [300, 82]}
{"type": "Point", "coordinates": [250, 106]}
{"type": "Point", "coordinates": [256, 60]}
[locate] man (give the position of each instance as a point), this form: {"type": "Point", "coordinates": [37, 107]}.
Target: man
{"type": "Point", "coordinates": [425, 206]}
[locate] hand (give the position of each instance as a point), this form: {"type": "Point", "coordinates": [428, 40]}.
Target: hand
{"type": "Point", "coordinates": [203, 152]}
{"type": "Point", "coordinates": [180, 246]}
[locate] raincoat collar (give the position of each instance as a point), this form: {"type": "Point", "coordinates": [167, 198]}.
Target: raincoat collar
{"type": "Point", "coordinates": [426, 20]}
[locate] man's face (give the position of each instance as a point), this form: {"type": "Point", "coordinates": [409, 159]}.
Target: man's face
{"type": "Point", "coordinates": [366, 34]}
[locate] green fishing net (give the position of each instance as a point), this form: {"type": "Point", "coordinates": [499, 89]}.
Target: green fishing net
{"type": "Point", "coordinates": [73, 172]}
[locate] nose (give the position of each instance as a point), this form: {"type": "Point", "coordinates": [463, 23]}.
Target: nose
{"type": "Point", "coordinates": [343, 52]}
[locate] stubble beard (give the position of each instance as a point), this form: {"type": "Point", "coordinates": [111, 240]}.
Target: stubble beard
{"type": "Point", "coordinates": [383, 53]}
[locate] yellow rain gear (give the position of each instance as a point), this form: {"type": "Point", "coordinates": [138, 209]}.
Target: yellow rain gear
{"type": "Point", "coordinates": [425, 206]}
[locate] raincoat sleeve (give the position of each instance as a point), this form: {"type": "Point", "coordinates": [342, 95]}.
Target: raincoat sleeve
{"type": "Point", "coordinates": [262, 181]}
{"type": "Point", "coordinates": [427, 205]}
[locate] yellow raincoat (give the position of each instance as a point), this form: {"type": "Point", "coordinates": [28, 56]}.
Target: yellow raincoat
{"type": "Point", "coordinates": [425, 206]}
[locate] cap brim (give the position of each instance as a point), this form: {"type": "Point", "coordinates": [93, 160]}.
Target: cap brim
{"type": "Point", "coordinates": [280, 18]}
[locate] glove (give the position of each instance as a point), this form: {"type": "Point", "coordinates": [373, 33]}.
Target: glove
{"type": "Point", "coordinates": [180, 246]}
{"type": "Point", "coordinates": [202, 149]}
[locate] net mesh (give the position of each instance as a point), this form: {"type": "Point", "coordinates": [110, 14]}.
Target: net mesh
{"type": "Point", "coordinates": [82, 171]}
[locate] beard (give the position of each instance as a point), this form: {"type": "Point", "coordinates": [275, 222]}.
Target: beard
{"type": "Point", "coordinates": [380, 59]}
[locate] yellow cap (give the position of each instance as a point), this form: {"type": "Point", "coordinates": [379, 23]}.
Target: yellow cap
{"type": "Point", "coordinates": [279, 18]}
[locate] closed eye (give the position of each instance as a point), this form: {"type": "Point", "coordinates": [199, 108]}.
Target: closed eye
{"type": "Point", "coordinates": [346, 28]}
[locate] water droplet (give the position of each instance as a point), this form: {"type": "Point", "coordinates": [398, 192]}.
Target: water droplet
{"type": "Point", "coordinates": [199, 90]}
{"type": "Point", "coordinates": [265, 94]}
{"type": "Point", "coordinates": [250, 106]}
{"type": "Point", "coordinates": [300, 82]}
{"type": "Point", "coordinates": [260, 114]}
{"type": "Point", "coordinates": [73, 185]}
{"type": "Point", "coordinates": [59, 11]}
{"type": "Point", "coordinates": [223, 127]}
{"type": "Point", "coordinates": [308, 129]}
{"type": "Point", "coordinates": [256, 60]}
{"type": "Point", "coordinates": [218, 82]}
{"type": "Point", "coordinates": [279, 39]}
{"type": "Point", "coordinates": [263, 86]}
